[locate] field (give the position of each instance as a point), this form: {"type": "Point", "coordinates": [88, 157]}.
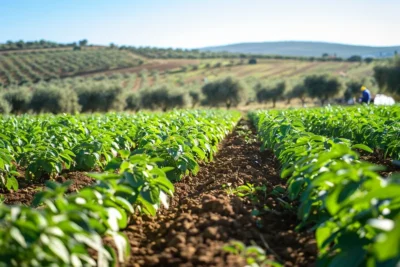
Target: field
{"type": "Point", "coordinates": [34, 66]}
{"type": "Point", "coordinates": [122, 73]}
{"type": "Point", "coordinates": [197, 187]}
{"type": "Point", "coordinates": [93, 174]}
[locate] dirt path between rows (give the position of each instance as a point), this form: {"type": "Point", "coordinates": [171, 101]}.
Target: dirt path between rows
{"type": "Point", "coordinates": [27, 190]}
{"type": "Point", "coordinates": [204, 214]}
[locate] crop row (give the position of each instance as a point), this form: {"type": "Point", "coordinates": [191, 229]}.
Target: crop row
{"type": "Point", "coordinates": [375, 126]}
{"type": "Point", "coordinates": [44, 146]}
{"type": "Point", "coordinates": [25, 68]}
{"type": "Point", "coordinates": [67, 230]}
{"type": "Point", "coordinates": [354, 211]}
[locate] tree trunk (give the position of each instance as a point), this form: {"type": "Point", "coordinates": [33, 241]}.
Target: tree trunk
{"type": "Point", "coordinates": [228, 104]}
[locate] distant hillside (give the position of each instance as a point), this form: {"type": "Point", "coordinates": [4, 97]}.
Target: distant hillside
{"type": "Point", "coordinates": [307, 49]}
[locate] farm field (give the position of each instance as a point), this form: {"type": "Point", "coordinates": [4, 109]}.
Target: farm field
{"type": "Point", "coordinates": [201, 187]}
{"type": "Point", "coordinates": [35, 66]}
{"type": "Point", "coordinates": [25, 74]}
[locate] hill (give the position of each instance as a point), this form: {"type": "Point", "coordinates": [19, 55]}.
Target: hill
{"type": "Point", "coordinates": [306, 49]}
{"type": "Point", "coordinates": [34, 66]}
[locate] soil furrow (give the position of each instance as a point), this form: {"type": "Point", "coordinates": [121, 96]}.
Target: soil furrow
{"type": "Point", "coordinates": [205, 214]}
{"type": "Point", "coordinates": [27, 190]}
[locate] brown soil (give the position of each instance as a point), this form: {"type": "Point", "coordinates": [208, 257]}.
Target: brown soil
{"type": "Point", "coordinates": [204, 215]}
{"type": "Point", "coordinates": [302, 69]}
{"type": "Point", "coordinates": [378, 159]}
{"type": "Point", "coordinates": [26, 192]}
{"type": "Point", "coordinates": [278, 71]}
{"type": "Point", "coordinates": [159, 65]}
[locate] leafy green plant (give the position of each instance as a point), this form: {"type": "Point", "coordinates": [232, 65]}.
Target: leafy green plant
{"type": "Point", "coordinates": [137, 153]}
{"type": "Point", "coordinates": [253, 255]}
{"type": "Point", "coordinates": [349, 205]}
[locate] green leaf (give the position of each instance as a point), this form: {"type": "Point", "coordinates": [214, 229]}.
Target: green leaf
{"type": "Point", "coordinates": [18, 237]}
{"type": "Point", "coordinates": [59, 249]}
{"type": "Point", "coordinates": [151, 194]}
{"type": "Point", "coordinates": [122, 244]}
{"type": "Point", "coordinates": [362, 147]}
{"type": "Point", "coordinates": [134, 180]}
{"type": "Point", "coordinates": [12, 183]}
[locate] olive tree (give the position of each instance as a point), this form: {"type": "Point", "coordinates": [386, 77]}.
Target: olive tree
{"type": "Point", "coordinates": [54, 100]}
{"type": "Point", "coordinates": [265, 94]}
{"type": "Point", "coordinates": [300, 92]}
{"type": "Point", "coordinates": [322, 87]}
{"type": "Point", "coordinates": [163, 98]}
{"type": "Point", "coordinates": [228, 91]}
{"type": "Point", "coordinates": [352, 89]}
{"type": "Point", "coordinates": [18, 99]}
{"type": "Point", "coordinates": [5, 107]}
{"type": "Point", "coordinates": [388, 77]}
{"type": "Point", "coordinates": [99, 97]}
{"type": "Point", "coordinates": [132, 102]}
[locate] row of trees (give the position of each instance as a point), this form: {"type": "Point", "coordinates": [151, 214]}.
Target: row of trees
{"type": "Point", "coordinates": [388, 77]}
{"type": "Point", "coordinates": [155, 52]}
{"type": "Point", "coordinates": [231, 92]}
{"type": "Point", "coordinates": [97, 98]}
{"type": "Point", "coordinates": [29, 68]}
{"type": "Point", "coordinates": [103, 97]}
{"type": "Point", "coordinates": [20, 45]}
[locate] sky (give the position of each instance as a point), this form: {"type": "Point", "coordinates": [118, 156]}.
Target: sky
{"type": "Point", "coordinates": [201, 23]}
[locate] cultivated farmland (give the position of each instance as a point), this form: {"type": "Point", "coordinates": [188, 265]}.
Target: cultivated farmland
{"type": "Point", "coordinates": [200, 187]}
{"type": "Point", "coordinates": [92, 173]}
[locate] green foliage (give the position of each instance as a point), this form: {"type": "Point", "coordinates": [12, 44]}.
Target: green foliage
{"type": "Point", "coordinates": [376, 127]}
{"type": "Point", "coordinates": [33, 67]}
{"type": "Point", "coordinates": [133, 102]}
{"type": "Point", "coordinates": [101, 98]}
{"type": "Point", "coordinates": [5, 107]}
{"type": "Point", "coordinates": [19, 99]}
{"type": "Point", "coordinates": [195, 97]}
{"type": "Point", "coordinates": [252, 61]}
{"type": "Point", "coordinates": [353, 89]}
{"type": "Point", "coordinates": [163, 98]}
{"type": "Point", "coordinates": [252, 255]}
{"type": "Point", "coordinates": [353, 210]}
{"type": "Point", "coordinates": [354, 58]}
{"type": "Point", "coordinates": [228, 91]}
{"type": "Point", "coordinates": [18, 45]}
{"type": "Point", "coordinates": [322, 87]}
{"type": "Point", "coordinates": [54, 100]}
{"type": "Point", "coordinates": [155, 52]}
{"type": "Point", "coordinates": [140, 155]}
{"type": "Point", "coordinates": [265, 94]}
{"type": "Point", "coordinates": [388, 77]}
{"type": "Point", "coordinates": [299, 91]}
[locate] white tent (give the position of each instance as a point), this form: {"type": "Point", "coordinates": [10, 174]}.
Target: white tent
{"type": "Point", "coordinates": [383, 100]}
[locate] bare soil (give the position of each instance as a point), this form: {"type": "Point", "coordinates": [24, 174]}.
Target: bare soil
{"type": "Point", "coordinates": [378, 159]}
{"type": "Point", "coordinates": [204, 215]}
{"type": "Point", "coordinates": [27, 190]}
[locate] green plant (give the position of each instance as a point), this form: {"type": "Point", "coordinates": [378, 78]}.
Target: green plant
{"type": "Point", "coordinates": [253, 255]}
{"type": "Point", "coordinates": [349, 205]}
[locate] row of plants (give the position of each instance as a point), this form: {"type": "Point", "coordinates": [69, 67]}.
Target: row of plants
{"type": "Point", "coordinates": [354, 212]}
{"type": "Point", "coordinates": [23, 68]}
{"type": "Point", "coordinates": [155, 52]}
{"type": "Point", "coordinates": [375, 126]}
{"type": "Point", "coordinates": [69, 230]}
{"type": "Point", "coordinates": [43, 146]}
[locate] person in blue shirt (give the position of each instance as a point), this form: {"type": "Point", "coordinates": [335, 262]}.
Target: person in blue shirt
{"type": "Point", "coordinates": [366, 95]}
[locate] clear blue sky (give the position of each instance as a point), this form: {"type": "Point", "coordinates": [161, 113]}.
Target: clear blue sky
{"type": "Point", "coordinates": [199, 23]}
